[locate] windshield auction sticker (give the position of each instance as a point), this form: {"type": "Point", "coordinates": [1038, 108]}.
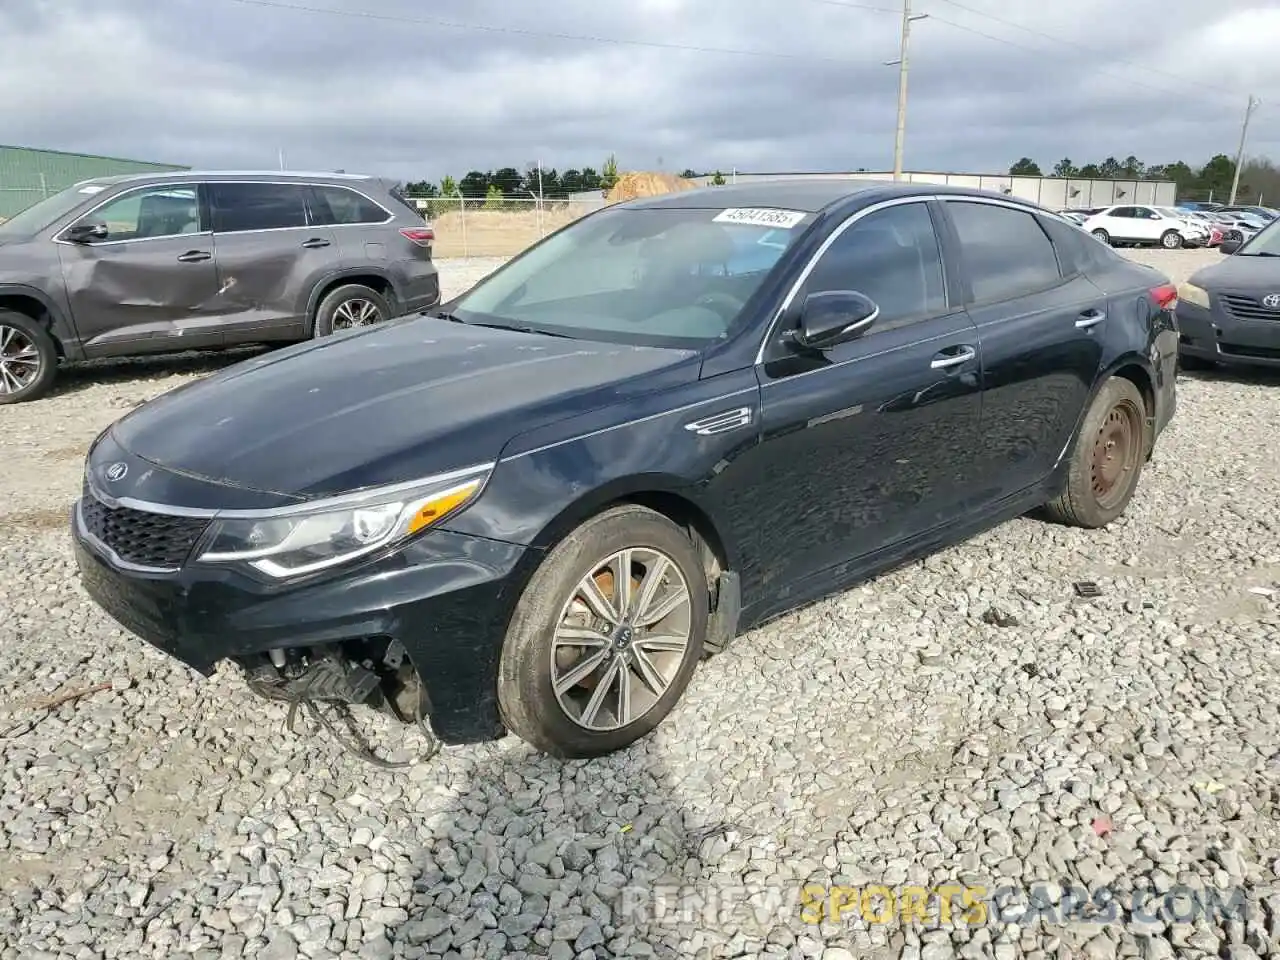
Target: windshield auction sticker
{"type": "Point", "coordinates": [760, 217]}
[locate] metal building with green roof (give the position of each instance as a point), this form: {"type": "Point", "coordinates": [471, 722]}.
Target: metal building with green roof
{"type": "Point", "coordinates": [28, 175]}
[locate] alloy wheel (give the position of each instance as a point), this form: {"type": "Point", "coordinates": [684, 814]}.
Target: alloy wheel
{"type": "Point", "coordinates": [356, 312]}
{"type": "Point", "coordinates": [1116, 454]}
{"type": "Point", "coordinates": [620, 639]}
{"type": "Point", "coordinates": [19, 360]}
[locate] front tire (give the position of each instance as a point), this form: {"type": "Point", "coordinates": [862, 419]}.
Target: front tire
{"type": "Point", "coordinates": [28, 358]}
{"type": "Point", "coordinates": [1106, 460]}
{"type": "Point", "coordinates": [1171, 240]}
{"type": "Point", "coordinates": [349, 307]}
{"type": "Point", "coordinates": [588, 668]}
{"type": "Point", "coordinates": [1102, 236]}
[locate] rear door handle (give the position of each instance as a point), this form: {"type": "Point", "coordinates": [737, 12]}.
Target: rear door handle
{"type": "Point", "coordinates": [195, 256]}
{"type": "Point", "coordinates": [315, 242]}
{"type": "Point", "coordinates": [942, 361]}
{"type": "Point", "coordinates": [1090, 318]}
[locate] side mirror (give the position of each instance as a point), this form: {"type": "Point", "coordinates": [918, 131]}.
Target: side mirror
{"type": "Point", "coordinates": [833, 317]}
{"type": "Point", "coordinates": [86, 232]}
{"type": "Point", "coordinates": [1229, 247]}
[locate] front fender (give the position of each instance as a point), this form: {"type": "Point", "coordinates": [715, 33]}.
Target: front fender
{"type": "Point", "coordinates": [60, 324]}
{"type": "Point", "coordinates": [550, 479]}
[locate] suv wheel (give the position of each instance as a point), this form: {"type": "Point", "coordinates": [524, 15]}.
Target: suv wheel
{"type": "Point", "coordinates": [28, 358]}
{"type": "Point", "coordinates": [1171, 240]}
{"type": "Point", "coordinates": [350, 307]}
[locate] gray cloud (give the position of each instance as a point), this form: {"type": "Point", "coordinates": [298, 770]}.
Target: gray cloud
{"type": "Point", "coordinates": [223, 83]}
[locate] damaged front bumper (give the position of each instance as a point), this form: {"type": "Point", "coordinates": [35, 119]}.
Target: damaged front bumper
{"type": "Point", "coordinates": [444, 599]}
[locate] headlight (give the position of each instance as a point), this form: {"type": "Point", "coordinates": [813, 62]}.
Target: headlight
{"type": "Point", "coordinates": [1190, 293]}
{"type": "Point", "coordinates": [294, 541]}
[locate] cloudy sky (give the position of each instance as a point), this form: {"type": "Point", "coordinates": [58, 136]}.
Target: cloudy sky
{"type": "Point", "coordinates": [415, 89]}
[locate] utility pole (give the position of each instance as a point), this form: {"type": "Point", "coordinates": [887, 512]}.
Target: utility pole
{"type": "Point", "coordinates": [901, 63]}
{"type": "Point", "coordinates": [1244, 132]}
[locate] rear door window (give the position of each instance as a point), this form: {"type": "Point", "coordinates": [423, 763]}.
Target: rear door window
{"type": "Point", "coordinates": [332, 205]}
{"type": "Point", "coordinates": [238, 207]}
{"type": "Point", "coordinates": [1006, 252]}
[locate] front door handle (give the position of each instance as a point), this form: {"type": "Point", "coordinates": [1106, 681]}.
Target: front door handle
{"type": "Point", "coordinates": [195, 256]}
{"type": "Point", "coordinates": [944, 360]}
{"type": "Point", "coordinates": [315, 242]}
{"type": "Point", "coordinates": [1090, 318]}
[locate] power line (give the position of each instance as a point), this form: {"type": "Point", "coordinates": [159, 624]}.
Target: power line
{"type": "Point", "coordinates": [1178, 78]}
{"type": "Point", "coordinates": [1036, 50]}
{"type": "Point", "coordinates": [540, 34]}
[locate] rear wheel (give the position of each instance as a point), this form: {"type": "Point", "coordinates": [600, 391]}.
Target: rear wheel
{"type": "Point", "coordinates": [349, 307]}
{"type": "Point", "coordinates": [1103, 236]}
{"type": "Point", "coordinates": [1171, 240]}
{"type": "Point", "coordinates": [606, 635]}
{"type": "Point", "coordinates": [1106, 461]}
{"type": "Point", "coordinates": [28, 358]}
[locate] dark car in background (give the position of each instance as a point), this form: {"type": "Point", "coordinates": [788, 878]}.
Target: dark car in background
{"type": "Point", "coordinates": [128, 265]}
{"type": "Point", "coordinates": [1229, 313]}
{"type": "Point", "coordinates": [537, 508]}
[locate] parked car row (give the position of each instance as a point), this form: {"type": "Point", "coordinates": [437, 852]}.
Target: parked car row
{"type": "Point", "coordinates": [1229, 313]}
{"type": "Point", "coordinates": [536, 508]}
{"type": "Point", "coordinates": [129, 265]}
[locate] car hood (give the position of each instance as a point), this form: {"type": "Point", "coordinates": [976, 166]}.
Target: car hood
{"type": "Point", "coordinates": [395, 403]}
{"type": "Point", "coordinates": [1242, 274]}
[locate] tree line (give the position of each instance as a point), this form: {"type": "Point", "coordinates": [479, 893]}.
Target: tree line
{"type": "Point", "coordinates": [1258, 176]}
{"type": "Point", "coordinates": [511, 187]}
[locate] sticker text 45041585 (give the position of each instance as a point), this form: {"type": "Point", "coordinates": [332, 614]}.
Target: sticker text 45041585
{"type": "Point", "coordinates": [760, 217]}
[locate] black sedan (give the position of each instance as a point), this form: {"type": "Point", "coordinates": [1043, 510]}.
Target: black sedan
{"type": "Point", "coordinates": [538, 508]}
{"type": "Point", "coordinates": [1229, 313]}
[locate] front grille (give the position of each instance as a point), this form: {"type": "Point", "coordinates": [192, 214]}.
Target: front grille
{"type": "Point", "coordinates": [1247, 308]}
{"type": "Point", "coordinates": [139, 537]}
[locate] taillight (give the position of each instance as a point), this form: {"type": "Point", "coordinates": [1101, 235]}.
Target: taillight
{"type": "Point", "coordinates": [422, 236]}
{"type": "Point", "coordinates": [1165, 296]}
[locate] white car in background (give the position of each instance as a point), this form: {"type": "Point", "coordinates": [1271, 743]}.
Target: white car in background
{"type": "Point", "coordinates": [1164, 226]}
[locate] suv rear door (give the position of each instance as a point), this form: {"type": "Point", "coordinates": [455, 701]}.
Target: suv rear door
{"type": "Point", "coordinates": [270, 257]}
{"type": "Point", "coordinates": [1039, 321]}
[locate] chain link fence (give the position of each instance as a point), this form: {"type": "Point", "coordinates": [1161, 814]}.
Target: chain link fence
{"type": "Point", "coordinates": [15, 197]}
{"type": "Point", "coordinates": [497, 226]}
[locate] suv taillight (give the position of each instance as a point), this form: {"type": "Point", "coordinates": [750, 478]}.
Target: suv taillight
{"type": "Point", "coordinates": [1165, 296]}
{"type": "Point", "coordinates": [422, 236]}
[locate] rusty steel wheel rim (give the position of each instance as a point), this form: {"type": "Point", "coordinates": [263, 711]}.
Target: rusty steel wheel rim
{"type": "Point", "coordinates": [1116, 451]}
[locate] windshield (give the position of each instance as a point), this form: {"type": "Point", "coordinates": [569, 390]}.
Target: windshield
{"type": "Point", "coordinates": [43, 213]}
{"type": "Point", "coordinates": [1264, 243]}
{"type": "Point", "coordinates": [651, 277]}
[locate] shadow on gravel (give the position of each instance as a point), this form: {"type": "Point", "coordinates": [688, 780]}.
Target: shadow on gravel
{"type": "Point", "coordinates": [75, 377]}
{"type": "Point", "coordinates": [537, 857]}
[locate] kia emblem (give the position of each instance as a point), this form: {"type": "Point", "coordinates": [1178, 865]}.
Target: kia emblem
{"type": "Point", "coordinates": [116, 471]}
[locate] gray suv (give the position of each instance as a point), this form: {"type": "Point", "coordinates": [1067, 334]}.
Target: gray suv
{"type": "Point", "coordinates": [121, 266]}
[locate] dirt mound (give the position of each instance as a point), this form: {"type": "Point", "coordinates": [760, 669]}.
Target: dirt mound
{"type": "Point", "coordinates": [642, 184]}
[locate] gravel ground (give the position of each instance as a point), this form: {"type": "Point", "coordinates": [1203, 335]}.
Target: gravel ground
{"type": "Point", "coordinates": [965, 720]}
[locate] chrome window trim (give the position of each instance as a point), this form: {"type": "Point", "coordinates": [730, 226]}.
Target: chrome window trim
{"type": "Point", "coordinates": [342, 186]}
{"type": "Point", "coordinates": [307, 226]}
{"type": "Point", "coordinates": [197, 183]}
{"type": "Point", "coordinates": [338, 502]}
{"type": "Point", "coordinates": [177, 184]}
{"type": "Point", "coordinates": [848, 222]}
